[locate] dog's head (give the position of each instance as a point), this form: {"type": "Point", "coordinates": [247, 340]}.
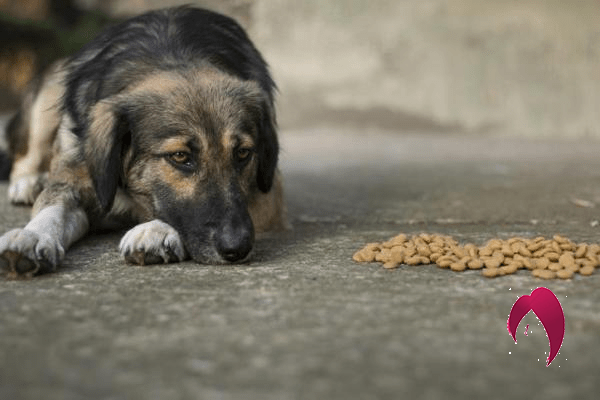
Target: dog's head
{"type": "Point", "coordinates": [196, 146]}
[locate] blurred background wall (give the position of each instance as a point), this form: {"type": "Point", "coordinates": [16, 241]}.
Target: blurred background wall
{"type": "Point", "coordinates": [520, 67]}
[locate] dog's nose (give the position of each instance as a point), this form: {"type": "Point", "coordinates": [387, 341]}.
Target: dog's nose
{"type": "Point", "coordinates": [234, 241]}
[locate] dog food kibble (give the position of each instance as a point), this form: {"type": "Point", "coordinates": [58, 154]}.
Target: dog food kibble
{"type": "Point", "coordinates": [558, 257]}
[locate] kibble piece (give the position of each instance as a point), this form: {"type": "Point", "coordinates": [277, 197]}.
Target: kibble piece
{"type": "Point", "coordinates": [568, 247]}
{"type": "Point", "coordinates": [410, 251]}
{"type": "Point", "coordinates": [414, 260]}
{"type": "Point", "coordinates": [507, 251]}
{"type": "Point", "coordinates": [397, 254]}
{"type": "Point", "coordinates": [592, 260]}
{"type": "Point", "coordinates": [426, 237]}
{"type": "Point", "coordinates": [541, 263]}
{"type": "Point", "coordinates": [373, 247]}
{"type": "Point", "coordinates": [450, 242]}
{"type": "Point", "coordinates": [565, 274]}
{"type": "Point", "coordinates": [493, 262]}
{"type": "Point", "coordinates": [486, 251]}
{"type": "Point", "coordinates": [459, 252]}
{"type": "Point", "coordinates": [555, 267]}
{"type": "Point", "coordinates": [418, 242]}
{"type": "Point", "coordinates": [490, 272]}
{"type": "Point", "coordinates": [581, 261]}
{"type": "Point", "coordinates": [424, 251]}
{"type": "Point", "coordinates": [586, 270]}
{"type": "Point", "coordinates": [434, 257]}
{"type": "Point", "coordinates": [458, 266]}
{"type": "Point", "coordinates": [465, 259]}
{"type": "Point", "coordinates": [525, 262]}
{"type": "Point", "coordinates": [444, 262]}
{"type": "Point", "coordinates": [594, 248]}
{"type": "Point", "coordinates": [514, 240]}
{"type": "Point", "coordinates": [560, 239]}
{"type": "Point", "coordinates": [388, 245]}
{"type": "Point", "coordinates": [528, 263]}
{"type": "Point", "coordinates": [395, 241]}
{"type": "Point", "coordinates": [471, 250]}
{"type": "Point", "coordinates": [437, 243]}
{"type": "Point", "coordinates": [535, 246]}
{"type": "Point", "coordinates": [588, 264]}
{"type": "Point", "coordinates": [364, 255]}
{"type": "Point", "coordinates": [390, 265]}
{"type": "Point", "coordinates": [401, 238]}
{"type": "Point", "coordinates": [383, 255]}
{"type": "Point", "coordinates": [573, 267]}
{"type": "Point", "coordinates": [435, 248]}
{"type": "Point", "coordinates": [542, 252]}
{"type": "Point", "coordinates": [566, 259]}
{"type": "Point", "coordinates": [358, 256]}
{"type": "Point", "coordinates": [543, 273]}
{"type": "Point", "coordinates": [475, 263]}
{"type": "Point", "coordinates": [509, 269]}
{"type": "Point", "coordinates": [494, 244]}
{"type": "Point", "coordinates": [556, 247]}
{"type": "Point", "coordinates": [515, 246]}
{"type": "Point", "coordinates": [424, 260]}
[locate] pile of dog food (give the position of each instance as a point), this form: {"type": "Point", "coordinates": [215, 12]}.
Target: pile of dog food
{"type": "Point", "coordinates": [558, 257]}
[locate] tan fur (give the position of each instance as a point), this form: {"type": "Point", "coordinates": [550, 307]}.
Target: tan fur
{"type": "Point", "coordinates": [184, 186]}
{"type": "Point", "coordinates": [101, 128]}
{"type": "Point", "coordinates": [162, 82]}
{"type": "Point", "coordinates": [44, 117]}
{"type": "Point", "coordinates": [173, 145]}
{"type": "Point", "coordinates": [268, 211]}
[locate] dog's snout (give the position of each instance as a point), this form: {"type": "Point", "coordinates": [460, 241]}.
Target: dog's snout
{"type": "Point", "coordinates": [235, 239]}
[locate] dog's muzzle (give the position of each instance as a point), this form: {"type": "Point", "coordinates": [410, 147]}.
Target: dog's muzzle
{"type": "Point", "coordinates": [235, 238]}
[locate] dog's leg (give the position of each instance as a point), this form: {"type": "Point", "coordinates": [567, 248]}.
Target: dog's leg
{"type": "Point", "coordinates": [153, 242]}
{"type": "Point", "coordinates": [29, 171]}
{"type": "Point", "coordinates": [41, 245]}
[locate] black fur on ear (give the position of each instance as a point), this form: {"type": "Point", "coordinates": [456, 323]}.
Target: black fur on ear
{"type": "Point", "coordinates": [104, 147]}
{"type": "Point", "coordinates": [267, 149]}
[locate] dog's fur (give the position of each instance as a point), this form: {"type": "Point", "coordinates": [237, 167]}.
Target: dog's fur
{"type": "Point", "coordinates": [167, 121]}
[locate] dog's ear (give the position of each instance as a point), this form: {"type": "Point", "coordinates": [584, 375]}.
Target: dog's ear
{"type": "Point", "coordinates": [103, 150]}
{"type": "Point", "coordinates": [267, 148]}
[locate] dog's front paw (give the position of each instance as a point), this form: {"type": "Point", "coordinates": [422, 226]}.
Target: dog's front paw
{"type": "Point", "coordinates": [26, 189]}
{"type": "Point", "coordinates": [24, 253]}
{"type": "Point", "coordinates": [153, 242]}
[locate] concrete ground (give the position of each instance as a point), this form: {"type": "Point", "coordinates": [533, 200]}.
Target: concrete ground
{"type": "Point", "coordinates": [387, 111]}
{"type": "Point", "coordinates": [302, 320]}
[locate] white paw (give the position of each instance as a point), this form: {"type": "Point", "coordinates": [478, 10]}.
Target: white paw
{"type": "Point", "coordinates": [26, 253]}
{"type": "Point", "coordinates": [25, 190]}
{"type": "Point", "coordinates": [153, 242]}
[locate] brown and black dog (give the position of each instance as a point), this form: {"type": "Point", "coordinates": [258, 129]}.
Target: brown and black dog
{"type": "Point", "coordinates": [166, 121]}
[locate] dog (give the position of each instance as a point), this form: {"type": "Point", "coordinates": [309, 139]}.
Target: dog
{"type": "Point", "coordinates": [164, 122]}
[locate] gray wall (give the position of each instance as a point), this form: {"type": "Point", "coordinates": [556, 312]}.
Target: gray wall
{"type": "Point", "coordinates": [523, 67]}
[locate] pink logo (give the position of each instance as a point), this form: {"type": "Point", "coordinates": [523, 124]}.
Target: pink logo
{"type": "Point", "coordinates": [547, 308]}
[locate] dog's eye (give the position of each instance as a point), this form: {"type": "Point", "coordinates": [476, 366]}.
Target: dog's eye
{"type": "Point", "coordinates": [180, 157]}
{"type": "Point", "coordinates": [243, 154]}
